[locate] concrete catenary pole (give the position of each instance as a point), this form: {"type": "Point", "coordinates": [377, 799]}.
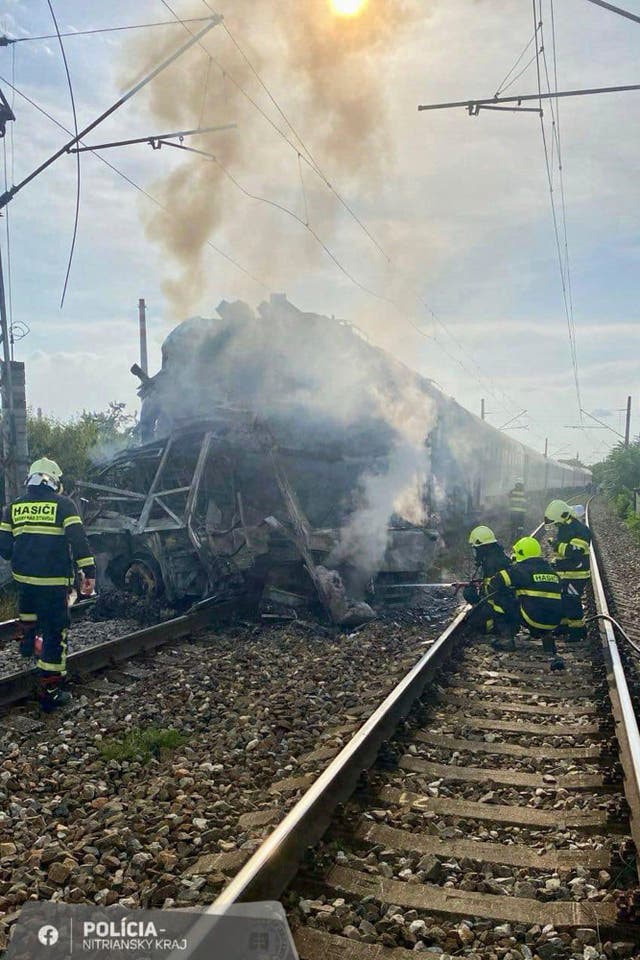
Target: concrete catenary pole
{"type": "Point", "coordinates": [627, 429]}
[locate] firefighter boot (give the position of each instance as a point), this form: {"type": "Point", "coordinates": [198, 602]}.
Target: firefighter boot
{"type": "Point", "coordinates": [549, 646]}
{"type": "Point", "coordinates": [504, 645]}
{"type": "Point", "coordinates": [51, 694]}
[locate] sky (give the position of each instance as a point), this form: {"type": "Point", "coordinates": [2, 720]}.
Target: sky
{"type": "Point", "coordinates": [452, 263]}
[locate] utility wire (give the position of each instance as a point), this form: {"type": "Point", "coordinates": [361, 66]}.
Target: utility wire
{"type": "Point", "coordinates": [136, 186]}
{"type": "Point", "coordinates": [501, 86]}
{"type": "Point", "coordinates": [291, 213]}
{"type": "Point", "coordinates": [313, 162]}
{"type": "Point", "coordinates": [519, 74]}
{"type": "Point", "coordinates": [78, 174]}
{"type": "Point", "coordinates": [310, 161]}
{"type": "Point", "coordinates": [6, 41]}
{"type": "Point", "coordinates": [538, 19]}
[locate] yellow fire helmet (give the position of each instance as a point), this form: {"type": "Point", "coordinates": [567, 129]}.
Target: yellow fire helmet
{"type": "Point", "coordinates": [558, 512]}
{"type": "Point", "coordinates": [480, 536]}
{"type": "Point", "coordinates": [45, 471]}
{"type": "Point", "coordinates": [525, 548]}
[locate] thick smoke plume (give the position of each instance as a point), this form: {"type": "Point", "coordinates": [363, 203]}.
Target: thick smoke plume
{"type": "Point", "coordinates": [326, 72]}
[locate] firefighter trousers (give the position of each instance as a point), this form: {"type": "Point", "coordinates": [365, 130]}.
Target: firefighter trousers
{"type": "Point", "coordinates": [44, 610]}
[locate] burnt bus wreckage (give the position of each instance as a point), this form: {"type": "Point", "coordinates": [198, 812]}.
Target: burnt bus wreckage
{"type": "Point", "coordinates": [281, 457]}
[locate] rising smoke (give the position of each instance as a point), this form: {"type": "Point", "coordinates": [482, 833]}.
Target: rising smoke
{"type": "Point", "coordinates": [326, 71]}
{"type": "Point", "coordinates": [321, 388]}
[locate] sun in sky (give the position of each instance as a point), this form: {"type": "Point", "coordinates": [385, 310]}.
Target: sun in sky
{"type": "Point", "coordinates": [348, 8]}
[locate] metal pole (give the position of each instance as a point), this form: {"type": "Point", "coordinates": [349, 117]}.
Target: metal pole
{"type": "Point", "coordinates": [482, 410]}
{"type": "Point", "coordinates": [546, 448]}
{"type": "Point", "coordinates": [474, 105]}
{"type": "Point", "coordinates": [10, 194]}
{"type": "Point", "coordinates": [610, 6]}
{"type": "Point", "coordinates": [8, 419]}
{"type": "Point", "coordinates": [627, 429]}
{"type": "Point", "coordinates": [142, 317]}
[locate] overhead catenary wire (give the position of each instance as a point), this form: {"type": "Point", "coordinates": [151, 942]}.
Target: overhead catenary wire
{"type": "Point", "coordinates": [6, 41]}
{"type": "Point", "coordinates": [78, 168]}
{"type": "Point", "coordinates": [120, 173]}
{"type": "Point", "coordinates": [537, 18]}
{"type": "Point", "coordinates": [312, 163]}
{"type": "Point", "coordinates": [266, 285]}
{"type": "Point", "coordinates": [347, 273]}
{"type": "Point", "coordinates": [504, 85]}
{"type": "Point", "coordinates": [308, 158]}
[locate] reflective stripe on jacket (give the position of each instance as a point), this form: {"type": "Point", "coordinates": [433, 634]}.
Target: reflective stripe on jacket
{"type": "Point", "coordinates": [538, 591]}
{"type": "Point", "coordinates": [41, 533]}
{"type": "Point", "coordinates": [572, 551]}
{"type": "Point", "coordinates": [518, 501]}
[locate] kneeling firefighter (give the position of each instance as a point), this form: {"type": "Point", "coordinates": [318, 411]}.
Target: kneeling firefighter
{"type": "Point", "coordinates": [42, 535]}
{"type": "Point", "coordinates": [490, 616]}
{"type": "Point", "coordinates": [538, 593]}
{"type": "Point", "coordinates": [572, 564]}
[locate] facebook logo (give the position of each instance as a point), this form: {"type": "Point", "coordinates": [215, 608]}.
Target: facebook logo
{"type": "Point", "coordinates": [48, 936]}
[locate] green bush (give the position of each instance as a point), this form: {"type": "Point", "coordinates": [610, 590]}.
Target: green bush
{"type": "Point", "coordinates": [617, 477]}
{"type": "Point", "coordinates": [622, 503]}
{"type": "Point", "coordinates": [75, 444]}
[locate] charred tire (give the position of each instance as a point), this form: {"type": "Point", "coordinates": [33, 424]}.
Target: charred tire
{"type": "Point", "coordinates": [143, 577]}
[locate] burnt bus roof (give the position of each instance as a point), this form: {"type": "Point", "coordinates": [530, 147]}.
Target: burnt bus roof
{"type": "Point", "coordinates": [242, 430]}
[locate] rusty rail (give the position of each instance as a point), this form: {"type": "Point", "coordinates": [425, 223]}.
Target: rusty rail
{"type": "Point", "coordinates": [20, 685]}
{"type": "Point", "coordinates": [625, 719]}
{"type": "Point", "coordinates": [274, 864]}
{"type": "Point", "coordinates": [10, 629]}
{"type": "Point", "coordinates": [276, 861]}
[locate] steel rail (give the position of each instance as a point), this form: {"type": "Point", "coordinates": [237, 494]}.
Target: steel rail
{"type": "Point", "coordinates": [10, 629]}
{"type": "Point", "coordinates": [21, 684]}
{"type": "Point", "coordinates": [625, 719]}
{"type": "Point", "coordinates": [276, 861]}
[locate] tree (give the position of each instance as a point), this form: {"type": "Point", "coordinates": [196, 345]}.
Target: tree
{"type": "Point", "coordinates": [78, 443]}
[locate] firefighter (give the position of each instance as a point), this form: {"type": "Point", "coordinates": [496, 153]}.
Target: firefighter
{"type": "Point", "coordinates": [572, 564]}
{"type": "Point", "coordinates": [490, 616]}
{"type": "Point", "coordinates": [571, 546]}
{"type": "Point", "coordinates": [517, 508]}
{"type": "Point", "coordinates": [43, 536]}
{"type": "Point", "coordinates": [538, 593]}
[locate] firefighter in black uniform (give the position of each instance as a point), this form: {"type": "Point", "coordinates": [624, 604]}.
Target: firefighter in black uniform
{"type": "Point", "coordinates": [572, 564]}
{"type": "Point", "coordinates": [42, 534]}
{"type": "Point", "coordinates": [517, 508]}
{"type": "Point", "coordinates": [490, 616]}
{"type": "Point", "coordinates": [538, 593]}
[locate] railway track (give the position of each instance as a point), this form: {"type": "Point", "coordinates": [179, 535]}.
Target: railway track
{"type": "Point", "coordinates": [496, 816]}
{"type": "Point", "coordinates": [20, 684]}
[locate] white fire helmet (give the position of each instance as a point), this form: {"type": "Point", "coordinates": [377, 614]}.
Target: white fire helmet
{"type": "Point", "coordinates": [45, 471]}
